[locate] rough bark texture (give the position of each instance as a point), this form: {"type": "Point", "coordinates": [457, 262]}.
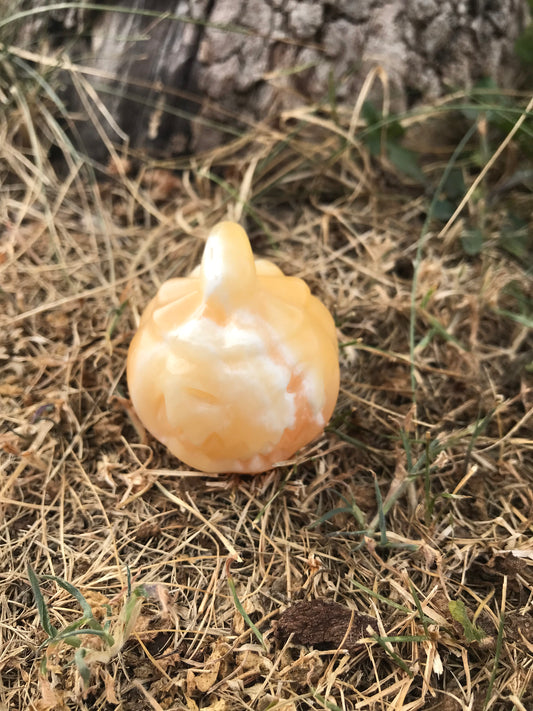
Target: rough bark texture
{"type": "Point", "coordinates": [229, 61]}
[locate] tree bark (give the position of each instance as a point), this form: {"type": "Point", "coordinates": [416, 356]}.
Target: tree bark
{"type": "Point", "coordinates": [178, 76]}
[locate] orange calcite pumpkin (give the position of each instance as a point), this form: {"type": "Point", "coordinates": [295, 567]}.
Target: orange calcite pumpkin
{"type": "Point", "coordinates": [235, 367]}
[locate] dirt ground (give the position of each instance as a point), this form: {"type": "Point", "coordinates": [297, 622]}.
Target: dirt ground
{"type": "Point", "coordinates": [172, 589]}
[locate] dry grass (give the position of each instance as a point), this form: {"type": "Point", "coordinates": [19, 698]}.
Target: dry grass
{"type": "Point", "coordinates": [412, 500]}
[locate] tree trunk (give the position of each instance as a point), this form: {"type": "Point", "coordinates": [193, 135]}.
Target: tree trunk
{"type": "Point", "coordinates": [182, 75]}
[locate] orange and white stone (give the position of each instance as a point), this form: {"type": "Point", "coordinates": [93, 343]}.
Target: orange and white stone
{"type": "Point", "coordinates": [235, 367]}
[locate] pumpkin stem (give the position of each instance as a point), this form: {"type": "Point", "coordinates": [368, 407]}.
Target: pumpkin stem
{"type": "Point", "coordinates": [228, 270]}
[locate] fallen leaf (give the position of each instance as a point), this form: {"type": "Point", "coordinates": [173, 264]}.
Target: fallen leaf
{"type": "Point", "coordinates": [109, 685]}
{"type": "Point", "coordinates": [203, 681]}
{"type": "Point", "coordinates": [50, 698]}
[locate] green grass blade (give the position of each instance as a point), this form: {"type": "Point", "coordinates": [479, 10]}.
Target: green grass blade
{"type": "Point", "coordinates": [72, 590]}
{"type": "Point", "coordinates": [497, 654]}
{"type": "Point", "coordinates": [65, 636]}
{"type": "Point", "coordinates": [327, 704]}
{"type": "Point", "coordinates": [420, 246]}
{"type": "Point", "coordinates": [418, 605]}
{"type": "Point", "coordinates": [85, 672]}
{"type": "Point", "coordinates": [383, 641]}
{"type": "Point", "coordinates": [381, 515]}
{"type": "Point", "coordinates": [381, 598]}
{"type": "Point", "coordinates": [40, 603]}
{"type": "Point", "coordinates": [243, 612]}
{"type": "Point", "coordinates": [405, 638]}
{"type": "Point", "coordinates": [347, 438]}
{"type": "Point", "coordinates": [522, 319]}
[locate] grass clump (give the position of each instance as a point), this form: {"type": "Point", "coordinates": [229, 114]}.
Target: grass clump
{"type": "Point", "coordinates": [112, 633]}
